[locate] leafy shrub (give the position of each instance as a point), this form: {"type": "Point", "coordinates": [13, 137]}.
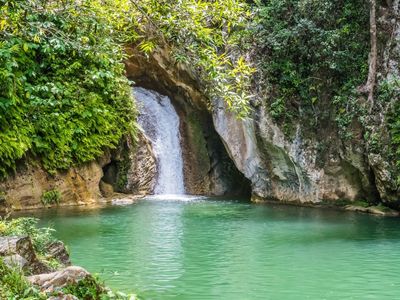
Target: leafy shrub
{"type": "Point", "coordinates": [13, 285]}
{"type": "Point", "coordinates": [208, 36]}
{"type": "Point", "coordinates": [311, 52]}
{"type": "Point", "coordinates": [86, 289]}
{"type": "Point", "coordinates": [41, 237]}
{"type": "Point", "coordinates": [51, 197]}
{"type": "Point", "coordinates": [63, 93]}
{"type": "Point", "coordinates": [92, 289]}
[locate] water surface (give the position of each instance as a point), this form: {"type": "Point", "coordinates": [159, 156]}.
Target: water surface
{"type": "Point", "coordinates": [218, 249]}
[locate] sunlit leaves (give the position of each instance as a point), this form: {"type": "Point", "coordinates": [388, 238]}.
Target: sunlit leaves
{"type": "Point", "coordinates": [205, 35]}
{"type": "Point", "coordinates": [147, 46]}
{"type": "Point", "coordinates": [63, 94]}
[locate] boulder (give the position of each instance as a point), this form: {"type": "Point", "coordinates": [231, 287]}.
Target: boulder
{"type": "Point", "coordinates": [54, 281]}
{"type": "Point", "coordinates": [106, 189]}
{"type": "Point", "coordinates": [142, 172]}
{"type": "Point", "coordinates": [58, 251]}
{"type": "Point", "coordinates": [19, 250]}
{"type": "Point", "coordinates": [15, 261]}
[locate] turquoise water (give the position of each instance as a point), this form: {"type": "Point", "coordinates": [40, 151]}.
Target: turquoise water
{"type": "Point", "coordinates": [219, 249]}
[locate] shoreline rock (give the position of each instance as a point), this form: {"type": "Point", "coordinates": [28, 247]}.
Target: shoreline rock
{"type": "Point", "coordinates": [382, 211]}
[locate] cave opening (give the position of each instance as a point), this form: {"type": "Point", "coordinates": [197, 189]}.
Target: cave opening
{"type": "Point", "coordinates": [208, 168]}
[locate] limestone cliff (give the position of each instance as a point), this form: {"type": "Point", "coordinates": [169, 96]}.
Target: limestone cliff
{"type": "Point", "coordinates": [306, 168]}
{"type": "Point", "coordinates": [207, 166]}
{"type": "Point", "coordinates": [77, 186]}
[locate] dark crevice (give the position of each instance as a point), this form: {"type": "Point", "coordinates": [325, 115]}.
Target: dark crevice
{"type": "Point", "coordinates": [208, 169]}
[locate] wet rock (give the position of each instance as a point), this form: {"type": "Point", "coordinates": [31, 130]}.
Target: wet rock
{"type": "Point", "coordinates": [375, 210]}
{"type": "Point", "coordinates": [142, 169]}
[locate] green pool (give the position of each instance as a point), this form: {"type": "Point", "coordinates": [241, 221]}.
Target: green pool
{"type": "Point", "coordinates": [225, 249]}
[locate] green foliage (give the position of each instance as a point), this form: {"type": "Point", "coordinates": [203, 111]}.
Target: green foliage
{"type": "Point", "coordinates": [13, 285]}
{"type": "Point", "coordinates": [41, 237]}
{"type": "Point", "coordinates": [389, 91]}
{"type": "Point", "coordinates": [208, 36]}
{"type": "Point", "coordinates": [91, 289]}
{"type": "Point", "coordinates": [63, 94]}
{"type": "Point", "coordinates": [86, 289]}
{"type": "Point", "coordinates": [311, 53]}
{"type": "Point", "coordinates": [51, 197]}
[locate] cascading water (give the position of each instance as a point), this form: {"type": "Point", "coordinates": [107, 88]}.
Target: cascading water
{"type": "Point", "coordinates": [160, 122]}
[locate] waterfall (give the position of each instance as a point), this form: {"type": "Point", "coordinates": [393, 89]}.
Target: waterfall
{"type": "Point", "coordinates": [160, 123]}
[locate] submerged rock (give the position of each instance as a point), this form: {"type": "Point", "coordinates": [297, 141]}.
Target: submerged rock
{"type": "Point", "coordinates": [375, 210]}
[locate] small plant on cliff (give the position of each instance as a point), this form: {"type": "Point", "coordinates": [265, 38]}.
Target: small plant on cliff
{"type": "Point", "coordinates": [51, 197]}
{"type": "Point", "coordinates": [88, 289]}
{"type": "Point", "coordinates": [13, 285]}
{"type": "Point", "coordinates": [41, 237]}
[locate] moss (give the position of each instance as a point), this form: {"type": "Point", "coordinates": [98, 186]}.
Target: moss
{"type": "Point", "coordinates": [123, 166]}
{"type": "Point", "coordinates": [3, 199]}
{"type": "Point", "coordinates": [361, 203]}
{"type": "Point", "coordinates": [196, 139]}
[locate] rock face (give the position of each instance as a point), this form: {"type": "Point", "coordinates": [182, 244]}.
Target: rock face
{"type": "Point", "coordinates": [142, 170]}
{"type": "Point", "coordinates": [132, 168]}
{"type": "Point", "coordinates": [305, 168]}
{"type": "Point", "coordinates": [207, 167]}
{"type": "Point", "coordinates": [18, 252]}
{"type": "Point", "coordinates": [292, 171]}
{"type": "Point", "coordinates": [50, 282]}
{"type": "Point", "coordinates": [76, 186]}
{"type": "Point", "coordinates": [58, 251]}
{"type": "Point", "coordinates": [389, 71]}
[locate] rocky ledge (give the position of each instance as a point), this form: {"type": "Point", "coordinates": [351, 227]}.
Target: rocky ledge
{"type": "Point", "coordinates": [28, 273]}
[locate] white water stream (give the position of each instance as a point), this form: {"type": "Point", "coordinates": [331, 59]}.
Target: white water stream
{"type": "Point", "coordinates": [160, 122]}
